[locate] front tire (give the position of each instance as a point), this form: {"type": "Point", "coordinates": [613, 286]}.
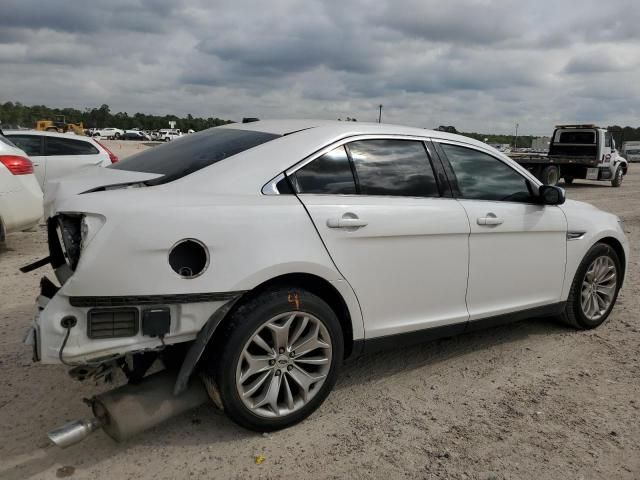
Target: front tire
{"type": "Point", "coordinates": [595, 288]}
{"type": "Point", "coordinates": [616, 181]}
{"type": "Point", "coordinates": [568, 180]}
{"type": "Point", "coordinates": [278, 358]}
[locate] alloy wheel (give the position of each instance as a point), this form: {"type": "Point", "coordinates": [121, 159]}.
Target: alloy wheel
{"type": "Point", "coordinates": [598, 287]}
{"type": "Point", "coordinates": [284, 364]}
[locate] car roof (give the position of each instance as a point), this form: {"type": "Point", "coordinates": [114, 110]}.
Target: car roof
{"type": "Point", "coordinates": [47, 134]}
{"type": "Point", "coordinates": [338, 129]}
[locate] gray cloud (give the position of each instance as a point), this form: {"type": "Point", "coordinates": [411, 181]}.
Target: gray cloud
{"type": "Point", "coordinates": [478, 64]}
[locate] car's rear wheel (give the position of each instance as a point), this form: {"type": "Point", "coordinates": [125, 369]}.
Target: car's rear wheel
{"type": "Point", "coordinates": [278, 359]}
{"type": "Point", "coordinates": [595, 288]}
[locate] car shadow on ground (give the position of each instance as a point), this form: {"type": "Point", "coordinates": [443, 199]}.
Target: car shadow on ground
{"type": "Point", "coordinates": [207, 426]}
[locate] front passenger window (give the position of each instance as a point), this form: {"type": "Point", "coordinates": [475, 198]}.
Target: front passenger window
{"type": "Point", "coordinates": [482, 177]}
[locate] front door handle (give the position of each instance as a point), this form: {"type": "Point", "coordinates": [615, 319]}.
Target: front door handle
{"type": "Point", "coordinates": [490, 219]}
{"type": "Point", "coordinates": [348, 220]}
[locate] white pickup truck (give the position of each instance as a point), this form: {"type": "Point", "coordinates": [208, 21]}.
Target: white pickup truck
{"type": "Point", "coordinates": [577, 152]}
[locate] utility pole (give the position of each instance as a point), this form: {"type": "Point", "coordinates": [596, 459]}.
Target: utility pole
{"type": "Point", "coordinates": [380, 114]}
{"type": "Point", "coordinates": [515, 140]}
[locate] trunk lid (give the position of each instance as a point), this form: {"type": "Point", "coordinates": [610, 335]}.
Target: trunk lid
{"type": "Point", "coordinates": [96, 179]}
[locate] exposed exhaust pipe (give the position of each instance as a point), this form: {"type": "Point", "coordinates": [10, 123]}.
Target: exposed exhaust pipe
{"type": "Point", "coordinates": [131, 409]}
{"type": "Point", "coordinates": [73, 432]}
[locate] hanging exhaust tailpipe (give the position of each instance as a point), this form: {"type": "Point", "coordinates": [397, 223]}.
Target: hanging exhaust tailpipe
{"type": "Point", "coordinates": [131, 409]}
{"type": "Point", "coordinates": [73, 432]}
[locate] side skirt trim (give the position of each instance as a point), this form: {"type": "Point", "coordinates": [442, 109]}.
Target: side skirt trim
{"type": "Point", "coordinates": [427, 335]}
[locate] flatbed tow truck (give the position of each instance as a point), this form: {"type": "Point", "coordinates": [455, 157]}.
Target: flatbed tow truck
{"type": "Point", "coordinates": [577, 152]}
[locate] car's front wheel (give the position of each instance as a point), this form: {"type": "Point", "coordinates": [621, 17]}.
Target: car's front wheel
{"type": "Point", "coordinates": [278, 360]}
{"type": "Point", "coordinates": [595, 288]}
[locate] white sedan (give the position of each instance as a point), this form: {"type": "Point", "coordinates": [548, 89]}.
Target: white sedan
{"type": "Point", "coordinates": [20, 194]}
{"type": "Point", "coordinates": [263, 255]}
{"type": "Point", "coordinates": [59, 155]}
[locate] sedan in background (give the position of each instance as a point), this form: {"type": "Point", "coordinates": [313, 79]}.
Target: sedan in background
{"type": "Point", "coordinates": [108, 132]}
{"type": "Point", "coordinates": [58, 155]}
{"type": "Point", "coordinates": [20, 193]}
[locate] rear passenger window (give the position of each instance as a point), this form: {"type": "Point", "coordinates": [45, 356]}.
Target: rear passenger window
{"type": "Point", "coordinates": [67, 146]}
{"type": "Point", "coordinates": [393, 167]}
{"type": "Point", "coordinates": [331, 173]}
{"type": "Point", "coordinates": [31, 144]}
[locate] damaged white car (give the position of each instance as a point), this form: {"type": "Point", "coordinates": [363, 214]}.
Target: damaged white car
{"type": "Point", "coordinates": [254, 259]}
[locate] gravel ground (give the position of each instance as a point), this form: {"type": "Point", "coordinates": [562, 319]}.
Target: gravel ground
{"type": "Point", "coordinates": [529, 400]}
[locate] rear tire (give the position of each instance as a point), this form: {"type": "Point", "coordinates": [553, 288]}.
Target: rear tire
{"type": "Point", "coordinates": [550, 175]}
{"type": "Point", "coordinates": [576, 313]}
{"type": "Point", "coordinates": [616, 181]}
{"type": "Point", "coordinates": [250, 351]}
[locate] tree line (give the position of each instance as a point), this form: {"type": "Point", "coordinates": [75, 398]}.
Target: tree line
{"type": "Point", "coordinates": [15, 114]}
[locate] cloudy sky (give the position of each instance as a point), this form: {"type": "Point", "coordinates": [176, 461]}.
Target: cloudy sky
{"type": "Point", "coordinates": [480, 65]}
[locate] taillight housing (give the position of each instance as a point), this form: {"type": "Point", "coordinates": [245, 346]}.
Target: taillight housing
{"type": "Point", "coordinates": [112, 156]}
{"type": "Point", "coordinates": [16, 164]}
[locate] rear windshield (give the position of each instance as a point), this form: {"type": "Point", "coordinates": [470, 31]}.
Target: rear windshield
{"type": "Point", "coordinates": [581, 137]}
{"type": "Point", "coordinates": [191, 153]}
{"type": "Point", "coordinates": [6, 141]}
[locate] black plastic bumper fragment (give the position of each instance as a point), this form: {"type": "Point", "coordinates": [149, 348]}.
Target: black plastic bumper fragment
{"type": "Point", "coordinates": [35, 265]}
{"type": "Point", "coordinates": [132, 300]}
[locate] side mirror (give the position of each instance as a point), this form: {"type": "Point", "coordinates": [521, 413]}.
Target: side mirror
{"type": "Point", "coordinates": [551, 195]}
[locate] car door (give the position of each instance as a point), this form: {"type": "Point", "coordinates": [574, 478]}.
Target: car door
{"type": "Point", "coordinates": [67, 156]}
{"type": "Point", "coordinates": [400, 244]}
{"type": "Point", "coordinates": [33, 146]}
{"type": "Point", "coordinates": [517, 247]}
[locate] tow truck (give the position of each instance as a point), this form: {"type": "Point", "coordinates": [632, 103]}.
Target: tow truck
{"type": "Point", "coordinates": [577, 152]}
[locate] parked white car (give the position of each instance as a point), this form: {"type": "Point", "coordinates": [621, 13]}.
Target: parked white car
{"type": "Point", "coordinates": [262, 255]}
{"type": "Point", "coordinates": [59, 155]}
{"type": "Point", "coordinates": [20, 194]}
{"type": "Point", "coordinates": [168, 134]}
{"type": "Point", "coordinates": [108, 132]}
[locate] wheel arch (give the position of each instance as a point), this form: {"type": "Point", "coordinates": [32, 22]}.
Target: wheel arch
{"type": "Point", "coordinates": [314, 284]}
{"type": "Point", "coordinates": [619, 249]}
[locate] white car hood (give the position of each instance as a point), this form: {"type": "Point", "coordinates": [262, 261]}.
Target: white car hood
{"type": "Point", "coordinates": [61, 189]}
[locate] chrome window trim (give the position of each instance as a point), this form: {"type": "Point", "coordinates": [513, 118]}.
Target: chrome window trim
{"type": "Point", "coordinates": [270, 188]}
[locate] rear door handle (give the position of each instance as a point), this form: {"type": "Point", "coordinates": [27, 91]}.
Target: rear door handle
{"type": "Point", "coordinates": [347, 221]}
{"type": "Point", "coordinates": [490, 219]}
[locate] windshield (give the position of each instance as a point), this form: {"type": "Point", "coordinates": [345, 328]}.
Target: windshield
{"type": "Point", "coordinates": [191, 153]}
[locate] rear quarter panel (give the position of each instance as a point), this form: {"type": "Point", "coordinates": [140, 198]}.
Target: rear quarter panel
{"type": "Point", "coordinates": [250, 238]}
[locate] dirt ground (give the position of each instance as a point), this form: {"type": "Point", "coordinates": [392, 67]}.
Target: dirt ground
{"type": "Point", "coordinates": [529, 400]}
